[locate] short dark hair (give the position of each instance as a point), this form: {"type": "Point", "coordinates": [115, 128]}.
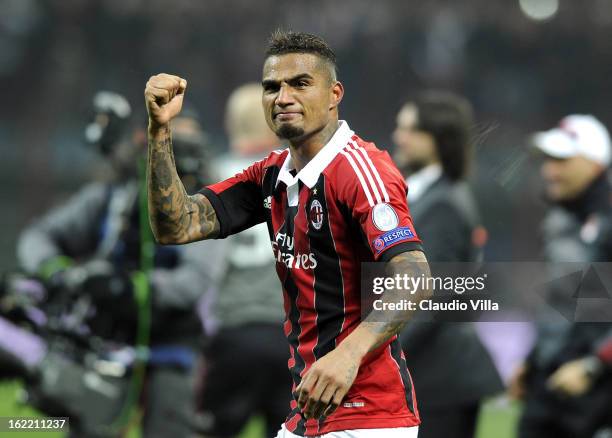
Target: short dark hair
{"type": "Point", "coordinates": [283, 42]}
{"type": "Point", "coordinates": [449, 119]}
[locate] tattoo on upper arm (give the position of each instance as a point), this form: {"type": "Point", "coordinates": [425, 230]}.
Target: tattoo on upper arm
{"type": "Point", "coordinates": [175, 216]}
{"type": "Point", "coordinates": [413, 264]}
{"type": "Point", "coordinates": [207, 218]}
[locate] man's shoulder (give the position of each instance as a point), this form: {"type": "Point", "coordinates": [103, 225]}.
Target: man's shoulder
{"type": "Point", "coordinates": [362, 160]}
{"type": "Point", "coordinates": [258, 170]}
{"type": "Point", "coordinates": [276, 158]}
{"type": "Point", "coordinates": [368, 146]}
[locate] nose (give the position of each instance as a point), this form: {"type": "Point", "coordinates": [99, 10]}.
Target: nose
{"type": "Point", "coordinates": [284, 97]}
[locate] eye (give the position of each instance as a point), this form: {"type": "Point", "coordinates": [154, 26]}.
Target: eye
{"type": "Point", "coordinates": [300, 83]}
{"type": "Point", "coordinates": [270, 88]}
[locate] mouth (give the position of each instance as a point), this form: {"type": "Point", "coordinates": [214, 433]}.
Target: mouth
{"type": "Point", "coordinates": [287, 115]}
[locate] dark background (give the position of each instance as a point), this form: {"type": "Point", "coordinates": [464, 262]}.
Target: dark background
{"type": "Point", "coordinates": [520, 73]}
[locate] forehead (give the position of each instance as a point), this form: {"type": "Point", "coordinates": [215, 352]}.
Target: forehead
{"type": "Point", "coordinates": [407, 117]}
{"type": "Point", "coordinates": [567, 162]}
{"type": "Point", "coordinates": [280, 67]}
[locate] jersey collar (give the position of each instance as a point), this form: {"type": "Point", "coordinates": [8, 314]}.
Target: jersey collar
{"type": "Point", "coordinates": [309, 175]}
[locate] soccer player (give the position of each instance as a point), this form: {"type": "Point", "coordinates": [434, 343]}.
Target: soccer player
{"type": "Point", "coordinates": [331, 201]}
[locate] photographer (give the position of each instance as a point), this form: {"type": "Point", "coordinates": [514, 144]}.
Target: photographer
{"type": "Point", "coordinates": [98, 245]}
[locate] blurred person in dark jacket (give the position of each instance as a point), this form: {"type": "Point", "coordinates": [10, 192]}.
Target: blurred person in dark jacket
{"type": "Point", "coordinates": [566, 381]}
{"type": "Point", "coordinates": [94, 245]}
{"type": "Point", "coordinates": [248, 308]}
{"type": "Point", "coordinates": [451, 368]}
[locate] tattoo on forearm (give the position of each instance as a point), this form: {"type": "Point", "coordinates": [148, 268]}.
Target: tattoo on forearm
{"type": "Point", "coordinates": [414, 264]}
{"type": "Point", "coordinates": [175, 216]}
{"type": "Point", "coordinates": [350, 373]}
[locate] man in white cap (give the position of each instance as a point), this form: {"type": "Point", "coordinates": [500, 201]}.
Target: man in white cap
{"type": "Point", "coordinates": [566, 381]}
{"type": "Point", "coordinates": [577, 153]}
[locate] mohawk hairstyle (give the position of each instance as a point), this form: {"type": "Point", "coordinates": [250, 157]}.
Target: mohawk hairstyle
{"type": "Point", "coordinates": [284, 42]}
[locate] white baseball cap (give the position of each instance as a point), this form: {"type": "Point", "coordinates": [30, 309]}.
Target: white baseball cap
{"type": "Point", "coordinates": [576, 134]}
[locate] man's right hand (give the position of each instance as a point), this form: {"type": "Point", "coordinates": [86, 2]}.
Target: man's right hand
{"type": "Point", "coordinates": [164, 98]}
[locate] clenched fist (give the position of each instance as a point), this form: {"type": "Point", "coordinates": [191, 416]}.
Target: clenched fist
{"type": "Point", "coordinates": [164, 97]}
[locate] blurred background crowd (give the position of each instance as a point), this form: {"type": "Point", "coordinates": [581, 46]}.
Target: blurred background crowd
{"type": "Point", "coordinates": [522, 64]}
{"type": "Point", "coordinates": [520, 73]}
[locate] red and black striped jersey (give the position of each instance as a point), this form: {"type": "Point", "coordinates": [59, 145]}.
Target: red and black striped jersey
{"type": "Point", "coordinates": [346, 206]}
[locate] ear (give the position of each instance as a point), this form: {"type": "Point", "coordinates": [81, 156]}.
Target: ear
{"type": "Point", "coordinates": [337, 93]}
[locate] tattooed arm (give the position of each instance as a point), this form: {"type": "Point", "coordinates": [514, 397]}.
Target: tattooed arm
{"type": "Point", "coordinates": [379, 327]}
{"type": "Point", "coordinates": [175, 216]}
{"type": "Point", "coordinates": [328, 380]}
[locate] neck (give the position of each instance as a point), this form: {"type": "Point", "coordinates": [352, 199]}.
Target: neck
{"type": "Point", "coordinates": [411, 169]}
{"type": "Point", "coordinates": [305, 148]}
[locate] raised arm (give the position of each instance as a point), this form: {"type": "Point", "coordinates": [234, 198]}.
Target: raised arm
{"type": "Point", "coordinates": [329, 379]}
{"type": "Point", "coordinates": [175, 216]}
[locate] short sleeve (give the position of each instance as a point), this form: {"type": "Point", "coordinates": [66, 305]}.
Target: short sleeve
{"type": "Point", "coordinates": [238, 201]}
{"type": "Point", "coordinates": [375, 192]}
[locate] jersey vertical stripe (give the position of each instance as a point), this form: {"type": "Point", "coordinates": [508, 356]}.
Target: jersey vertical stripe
{"type": "Point", "coordinates": [373, 169]}
{"type": "Point", "coordinates": [366, 172]}
{"type": "Point", "coordinates": [343, 295]}
{"type": "Point", "coordinates": [328, 285]}
{"type": "Point", "coordinates": [359, 176]}
{"type": "Point", "coordinates": [395, 350]}
{"type": "Point", "coordinates": [294, 316]}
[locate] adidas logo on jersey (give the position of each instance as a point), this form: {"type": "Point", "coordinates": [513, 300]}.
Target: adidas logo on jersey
{"type": "Point", "coordinates": [268, 202]}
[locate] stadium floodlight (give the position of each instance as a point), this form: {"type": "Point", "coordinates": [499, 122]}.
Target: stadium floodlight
{"type": "Point", "coordinates": [539, 10]}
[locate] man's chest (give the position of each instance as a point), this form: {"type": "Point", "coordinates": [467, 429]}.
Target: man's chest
{"type": "Point", "coordinates": [306, 225]}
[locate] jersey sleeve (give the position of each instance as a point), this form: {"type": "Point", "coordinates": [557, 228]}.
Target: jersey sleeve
{"type": "Point", "coordinates": [238, 201]}
{"type": "Point", "coordinates": [376, 194]}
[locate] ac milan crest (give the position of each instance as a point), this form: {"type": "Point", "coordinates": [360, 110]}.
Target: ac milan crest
{"type": "Point", "coordinates": [316, 214]}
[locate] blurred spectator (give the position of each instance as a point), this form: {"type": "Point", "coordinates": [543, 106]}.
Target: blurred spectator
{"type": "Point", "coordinates": [452, 370]}
{"type": "Point", "coordinates": [95, 245]}
{"type": "Point", "coordinates": [249, 307]}
{"type": "Point", "coordinates": [61, 50]}
{"type": "Point", "coordinates": [515, 70]}
{"type": "Point", "coordinates": [567, 380]}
